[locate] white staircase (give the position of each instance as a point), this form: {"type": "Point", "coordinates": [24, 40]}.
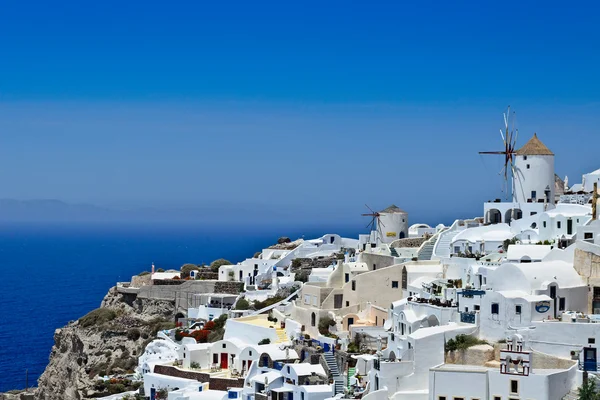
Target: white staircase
{"type": "Point", "coordinates": [426, 250]}
{"type": "Point", "coordinates": [338, 378]}
{"type": "Point", "coordinates": [441, 249]}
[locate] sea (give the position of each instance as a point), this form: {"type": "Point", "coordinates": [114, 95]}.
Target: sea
{"type": "Point", "coordinates": [55, 273]}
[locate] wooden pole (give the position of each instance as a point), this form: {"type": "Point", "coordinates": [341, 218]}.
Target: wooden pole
{"type": "Point", "coordinates": [594, 201]}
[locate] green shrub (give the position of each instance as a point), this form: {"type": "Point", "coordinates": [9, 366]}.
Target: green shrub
{"type": "Point", "coordinates": [324, 324]}
{"type": "Point", "coordinates": [462, 342]}
{"type": "Point", "coordinates": [220, 322]}
{"type": "Point", "coordinates": [265, 341]}
{"type": "Point", "coordinates": [257, 254]}
{"type": "Point", "coordinates": [97, 317]}
{"type": "Point", "coordinates": [160, 270]}
{"type": "Point", "coordinates": [187, 268]}
{"type": "Point", "coordinates": [242, 304]}
{"type": "Point", "coordinates": [215, 335]}
{"type": "Point", "coordinates": [302, 276]}
{"type": "Point", "coordinates": [133, 334]}
{"type": "Point", "coordinates": [214, 266]}
{"type": "Point", "coordinates": [144, 273]}
{"type": "Point", "coordinates": [194, 365]}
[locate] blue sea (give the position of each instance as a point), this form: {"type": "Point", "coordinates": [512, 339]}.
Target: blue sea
{"type": "Point", "coordinates": [53, 274]}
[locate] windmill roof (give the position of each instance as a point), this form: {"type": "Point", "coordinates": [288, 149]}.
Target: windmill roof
{"type": "Point", "coordinates": [393, 209]}
{"type": "Point", "coordinates": [534, 147]}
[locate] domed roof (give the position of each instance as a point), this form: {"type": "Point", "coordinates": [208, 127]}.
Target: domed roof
{"type": "Point", "coordinates": [393, 209]}
{"type": "Point", "coordinates": [534, 147]}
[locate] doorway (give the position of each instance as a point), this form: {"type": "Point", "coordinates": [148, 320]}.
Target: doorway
{"type": "Point", "coordinates": [224, 359]}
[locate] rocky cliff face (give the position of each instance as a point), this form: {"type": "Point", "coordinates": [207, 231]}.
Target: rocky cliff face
{"type": "Point", "coordinates": [106, 341]}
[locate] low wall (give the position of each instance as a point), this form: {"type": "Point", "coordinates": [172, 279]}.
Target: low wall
{"type": "Point", "coordinates": [214, 383]}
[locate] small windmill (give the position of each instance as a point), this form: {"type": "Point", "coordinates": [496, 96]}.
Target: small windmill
{"type": "Point", "coordinates": [375, 223]}
{"type": "Point", "coordinates": [509, 138]}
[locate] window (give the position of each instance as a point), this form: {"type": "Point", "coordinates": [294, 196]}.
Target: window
{"type": "Point", "coordinates": [533, 194]}
{"type": "Point", "coordinates": [374, 267]}
{"type": "Point", "coordinates": [347, 278]}
{"type": "Point", "coordinates": [457, 249]}
{"type": "Point", "coordinates": [476, 307]}
{"type": "Point", "coordinates": [495, 308]}
{"type": "Point", "coordinates": [250, 353]}
{"type": "Point", "coordinates": [497, 398]}
{"type": "Point", "coordinates": [533, 213]}
{"type": "Point", "coordinates": [215, 358]}
{"type": "Point", "coordinates": [441, 397]}
{"type": "Point", "coordinates": [353, 285]}
{"type": "Point", "coordinates": [514, 387]}
{"type": "Point", "coordinates": [232, 395]}
{"type": "Point", "coordinates": [347, 303]}
{"type": "Point", "coordinates": [307, 299]}
{"type": "Point", "coordinates": [561, 304]}
{"type": "Point", "coordinates": [528, 166]}
{"type": "Point", "coordinates": [518, 309]}
{"type": "Point", "coordinates": [224, 345]}
{"type": "Point", "coordinates": [524, 158]}
{"type": "Point", "coordinates": [544, 224]}
{"type": "Point", "coordinates": [591, 340]}
{"type": "Point", "coordinates": [458, 398]}
{"type": "Point", "coordinates": [394, 284]}
{"type": "Point", "coordinates": [466, 309]}
{"type": "Point", "coordinates": [588, 235]}
{"type": "Point", "coordinates": [558, 224]}
{"type": "Point", "coordinates": [404, 278]}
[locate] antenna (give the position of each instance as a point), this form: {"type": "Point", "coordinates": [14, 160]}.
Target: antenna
{"type": "Point", "coordinates": [509, 139]}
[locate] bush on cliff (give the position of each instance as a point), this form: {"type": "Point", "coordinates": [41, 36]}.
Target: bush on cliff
{"type": "Point", "coordinates": [187, 268]}
{"type": "Point", "coordinates": [214, 266]}
{"type": "Point", "coordinates": [133, 334]}
{"type": "Point", "coordinates": [97, 317]}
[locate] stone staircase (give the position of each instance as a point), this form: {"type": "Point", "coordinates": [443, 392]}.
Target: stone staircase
{"type": "Point", "coordinates": [572, 395]}
{"type": "Point", "coordinates": [338, 378]}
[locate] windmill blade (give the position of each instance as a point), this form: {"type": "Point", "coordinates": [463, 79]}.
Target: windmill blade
{"type": "Point", "coordinates": [379, 222]}
{"type": "Point", "coordinates": [370, 209]}
{"type": "Point", "coordinates": [492, 152]}
{"type": "Point", "coordinates": [502, 135]}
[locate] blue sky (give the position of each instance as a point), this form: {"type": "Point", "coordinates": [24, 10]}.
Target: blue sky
{"type": "Point", "coordinates": [308, 106]}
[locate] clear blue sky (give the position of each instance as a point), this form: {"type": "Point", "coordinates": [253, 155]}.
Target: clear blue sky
{"type": "Point", "coordinates": [322, 106]}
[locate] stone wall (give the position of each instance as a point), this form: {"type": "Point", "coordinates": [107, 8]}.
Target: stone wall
{"type": "Point", "coordinates": [228, 287]}
{"type": "Point", "coordinates": [587, 265]}
{"type": "Point", "coordinates": [139, 281]}
{"type": "Point", "coordinates": [408, 242]}
{"type": "Point", "coordinates": [213, 382]}
{"type": "Point", "coordinates": [487, 355]}
{"type": "Point", "coordinates": [475, 355]}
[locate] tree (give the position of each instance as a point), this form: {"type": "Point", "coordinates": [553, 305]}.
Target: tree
{"type": "Point", "coordinates": [187, 268]}
{"type": "Point", "coordinates": [214, 266]}
{"type": "Point", "coordinates": [242, 304]}
{"type": "Point", "coordinates": [265, 341]}
{"type": "Point", "coordinates": [324, 324]}
{"type": "Point", "coordinates": [588, 390]}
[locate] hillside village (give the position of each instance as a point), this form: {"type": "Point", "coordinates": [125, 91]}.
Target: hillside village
{"type": "Point", "coordinates": [504, 306]}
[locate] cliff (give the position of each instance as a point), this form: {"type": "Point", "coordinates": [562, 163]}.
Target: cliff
{"type": "Point", "coordinates": [107, 340]}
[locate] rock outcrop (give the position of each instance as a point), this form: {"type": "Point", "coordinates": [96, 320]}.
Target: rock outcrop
{"type": "Point", "coordinates": [106, 341]}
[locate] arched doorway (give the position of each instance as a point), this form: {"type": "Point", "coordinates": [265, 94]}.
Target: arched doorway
{"type": "Point", "coordinates": [493, 216]}
{"type": "Point", "coordinates": [178, 317]}
{"type": "Point", "coordinates": [512, 215]}
{"type": "Point", "coordinates": [313, 319]}
{"type": "Point", "coordinates": [392, 356]}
